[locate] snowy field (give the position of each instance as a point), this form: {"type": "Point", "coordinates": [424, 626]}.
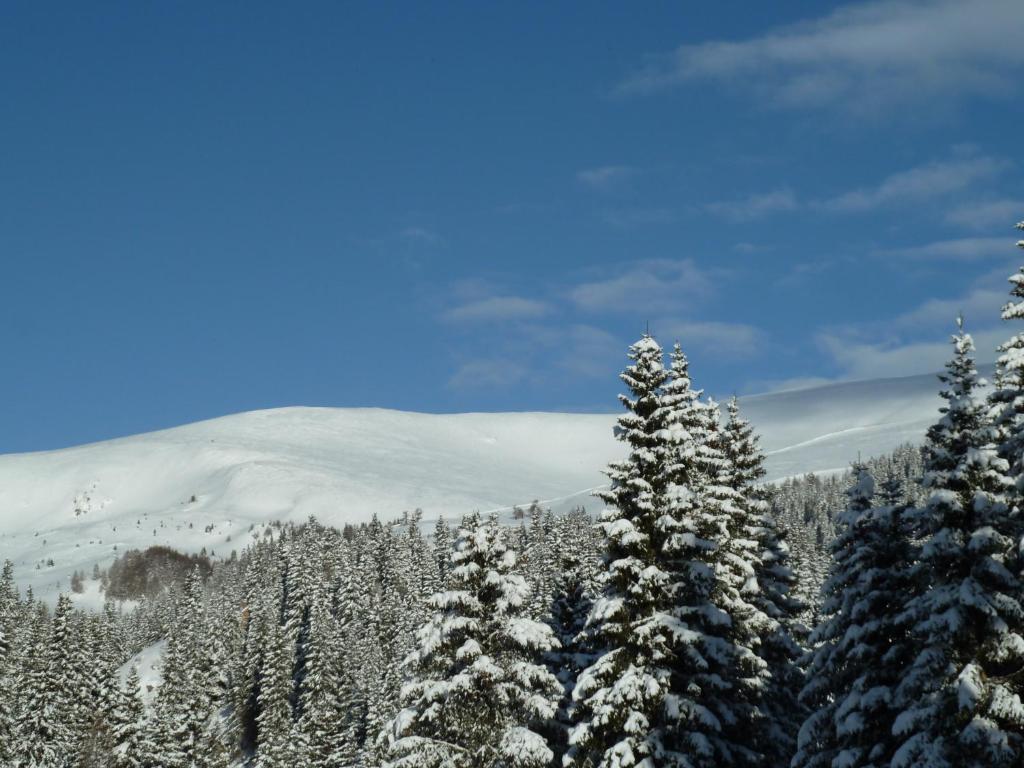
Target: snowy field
{"type": "Point", "coordinates": [215, 484]}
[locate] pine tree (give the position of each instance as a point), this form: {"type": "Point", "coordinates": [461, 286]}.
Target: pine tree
{"type": "Point", "coordinates": [676, 673]}
{"type": "Point", "coordinates": [442, 551]}
{"type": "Point", "coordinates": [7, 694]}
{"type": "Point", "coordinates": [274, 720]}
{"type": "Point", "coordinates": [620, 700]}
{"type": "Point", "coordinates": [1007, 397]}
{"type": "Point", "coordinates": [183, 706]}
{"type": "Point", "coordinates": [744, 469]}
{"type": "Point", "coordinates": [128, 724]}
{"type": "Point", "coordinates": [477, 689]}
{"type": "Point", "coordinates": [961, 698]}
{"type": "Point", "coordinates": [325, 723]}
{"type": "Point", "coordinates": [567, 617]}
{"type": "Point", "coordinates": [863, 649]}
{"type": "Point", "coordinates": [730, 626]}
{"type": "Point", "coordinates": [49, 727]}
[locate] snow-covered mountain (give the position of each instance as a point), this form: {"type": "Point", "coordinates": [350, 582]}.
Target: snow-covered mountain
{"type": "Point", "coordinates": [214, 484]}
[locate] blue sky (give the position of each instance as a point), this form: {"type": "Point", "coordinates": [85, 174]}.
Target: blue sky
{"type": "Point", "coordinates": [470, 206]}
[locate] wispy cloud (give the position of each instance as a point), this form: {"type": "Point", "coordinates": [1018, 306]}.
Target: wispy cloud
{"type": "Point", "coordinates": [651, 286]}
{"type": "Point", "coordinates": [726, 341]}
{"type": "Point", "coordinates": [606, 178]}
{"type": "Point", "coordinates": [959, 249]}
{"type": "Point", "coordinates": [987, 214]}
{"type": "Point", "coordinates": [497, 308]}
{"type": "Point", "coordinates": [861, 57]}
{"type": "Point", "coordinates": [979, 306]}
{"type": "Point", "coordinates": [755, 206]}
{"type": "Point", "coordinates": [924, 182]}
{"type": "Point", "coordinates": [488, 373]}
{"type": "Point", "coordinates": [872, 360]}
{"type": "Point", "coordinates": [421, 235]}
{"type": "Point", "coordinates": [634, 217]}
{"type": "Point", "coordinates": [916, 341]}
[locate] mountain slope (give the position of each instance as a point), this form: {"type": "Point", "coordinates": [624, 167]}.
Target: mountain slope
{"type": "Point", "coordinates": [215, 483]}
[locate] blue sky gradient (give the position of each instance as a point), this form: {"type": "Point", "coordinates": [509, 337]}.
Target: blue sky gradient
{"type": "Point", "coordinates": [466, 206]}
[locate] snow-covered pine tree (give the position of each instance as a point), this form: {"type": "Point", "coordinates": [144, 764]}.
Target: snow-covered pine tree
{"type": "Point", "coordinates": [49, 725]}
{"type": "Point", "coordinates": [567, 616]}
{"type": "Point", "coordinates": [183, 706]}
{"type": "Point", "coordinates": [274, 721]}
{"type": "Point", "coordinates": [7, 693]}
{"type": "Point", "coordinates": [478, 687]}
{"type": "Point", "coordinates": [717, 557]}
{"type": "Point", "coordinates": [100, 692]}
{"type": "Point", "coordinates": [325, 722]}
{"type": "Point", "coordinates": [619, 702]}
{"type": "Point", "coordinates": [1007, 397]}
{"type": "Point", "coordinates": [128, 725]}
{"type": "Point", "coordinates": [961, 698]}
{"type": "Point", "coordinates": [675, 672]}
{"type": "Point", "coordinates": [863, 649]}
{"type": "Point", "coordinates": [782, 713]}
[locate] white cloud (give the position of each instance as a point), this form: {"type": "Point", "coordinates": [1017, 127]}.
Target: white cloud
{"type": "Point", "coordinates": [756, 206]}
{"type": "Point", "coordinates": [732, 341]}
{"type": "Point", "coordinates": [987, 214]}
{"type": "Point", "coordinates": [581, 349]}
{"type": "Point", "coordinates": [421, 235]}
{"type": "Point", "coordinates": [979, 307]}
{"type": "Point", "coordinates": [647, 286]}
{"type": "Point", "coordinates": [633, 217]}
{"type": "Point", "coordinates": [917, 341]}
{"type": "Point", "coordinates": [934, 179]}
{"type": "Point", "coordinates": [495, 373]}
{"type": "Point", "coordinates": [874, 360]}
{"type": "Point", "coordinates": [861, 56]}
{"type": "Point", "coordinates": [960, 249]}
{"type": "Point", "coordinates": [497, 308]}
{"type": "Point", "coordinates": [606, 177]}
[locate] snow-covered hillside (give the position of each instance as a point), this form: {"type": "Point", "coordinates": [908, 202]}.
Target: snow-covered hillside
{"type": "Point", "coordinates": [207, 484]}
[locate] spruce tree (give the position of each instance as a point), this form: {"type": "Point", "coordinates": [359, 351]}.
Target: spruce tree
{"type": "Point", "coordinates": [49, 725]}
{"type": "Point", "coordinates": [781, 712]}
{"type": "Point", "coordinates": [128, 724]}
{"type": "Point", "coordinates": [1007, 396]}
{"type": "Point", "coordinates": [620, 708]}
{"type": "Point", "coordinates": [961, 698]}
{"type": "Point", "coordinates": [7, 694]}
{"type": "Point", "coordinates": [718, 592]}
{"type": "Point", "coordinates": [274, 721]}
{"type": "Point", "coordinates": [478, 689]}
{"type": "Point", "coordinates": [862, 647]}
{"type": "Point", "coordinates": [676, 680]}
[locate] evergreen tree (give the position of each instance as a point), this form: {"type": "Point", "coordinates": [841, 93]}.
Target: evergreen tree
{"type": "Point", "coordinates": [325, 723]}
{"type": "Point", "coordinates": [274, 721]}
{"type": "Point", "coordinates": [1007, 396]}
{"type": "Point", "coordinates": [676, 674]}
{"type": "Point", "coordinates": [620, 700]}
{"type": "Point", "coordinates": [567, 617]}
{"type": "Point", "coordinates": [442, 551]}
{"type": "Point", "coordinates": [128, 725]}
{"type": "Point", "coordinates": [477, 689]}
{"type": "Point", "coordinates": [961, 698]}
{"type": "Point", "coordinates": [771, 592]}
{"type": "Point", "coordinates": [7, 693]}
{"type": "Point", "coordinates": [49, 726]}
{"type": "Point", "coordinates": [862, 648]}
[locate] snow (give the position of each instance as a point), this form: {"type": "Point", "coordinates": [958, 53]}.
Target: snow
{"type": "Point", "coordinates": [219, 483]}
{"type": "Point", "coordinates": [148, 664]}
